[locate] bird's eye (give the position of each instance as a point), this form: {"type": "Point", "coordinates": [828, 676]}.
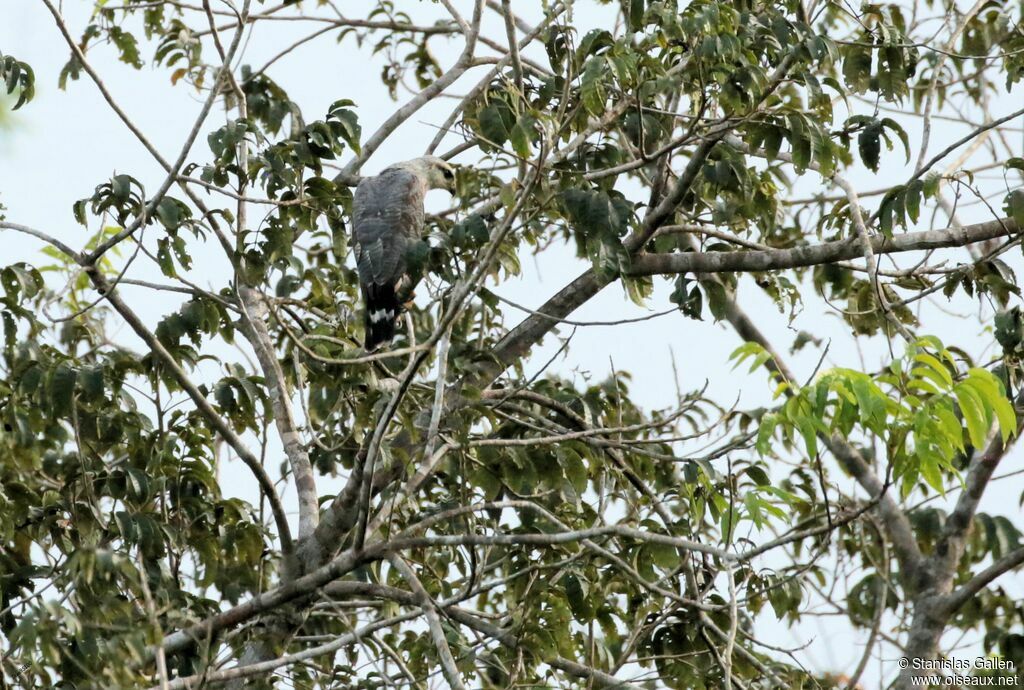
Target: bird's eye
{"type": "Point", "coordinates": [448, 174]}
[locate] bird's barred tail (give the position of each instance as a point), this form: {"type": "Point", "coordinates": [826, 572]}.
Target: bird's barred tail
{"type": "Point", "coordinates": [382, 310]}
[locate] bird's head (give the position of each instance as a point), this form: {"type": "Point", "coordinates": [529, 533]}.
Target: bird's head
{"type": "Point", "coordinates": [436, 173]}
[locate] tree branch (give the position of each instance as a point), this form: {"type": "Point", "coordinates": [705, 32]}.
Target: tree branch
{"type": "Point", "coordinates": [429, 608]}
{"type": "Point", "coordinates": [818, 254]}
{"type": "Point", "coordinates": [467, 618]}
{"type": "Point", "coordinates": [979, 472]}
{"type": "Point", "coordinates": [513, 45]}
{"type": "Point", "coordinates": [201, 403]}
{"type": "Point", "coordinates": [171, 169]}
{"type": "Point", "coordinates": [255, 313]}
{"type": "Point", "coordinates": [961, 596]}
{"type": "Point", "coordinates": [269, 600]}
{"type": "Point", "coordinates": [436, 87]}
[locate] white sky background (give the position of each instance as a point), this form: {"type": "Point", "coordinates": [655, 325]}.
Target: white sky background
{"type": "Point", "coordinates": [65, 143]}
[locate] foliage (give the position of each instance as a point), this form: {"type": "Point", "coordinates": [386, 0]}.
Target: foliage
{"type": "Point", "coordinates": [17, 77]}
{"type": "Point", "coordinates": [499, 527]}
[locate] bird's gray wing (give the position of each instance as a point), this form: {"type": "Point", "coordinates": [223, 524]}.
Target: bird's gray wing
{"type": "Point", "coordinates": [387, 217]}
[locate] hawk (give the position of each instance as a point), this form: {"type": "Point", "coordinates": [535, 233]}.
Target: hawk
{"type": "Point", "coordinates": [387, 220]}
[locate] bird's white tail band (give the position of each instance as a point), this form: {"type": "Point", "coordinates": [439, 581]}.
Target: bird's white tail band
{"type": "Point", "coordinates": [382, 315]}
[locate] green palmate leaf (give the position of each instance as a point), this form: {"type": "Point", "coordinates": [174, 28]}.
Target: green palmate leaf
{"type": "Point", "coordinates": [172, 213]}
{"type": "Point", "coordinates": [696, 129]}
{"type": "Point", "coordinates": [890, 124]}
{"type": "Point", "coordinates": [347, 123]}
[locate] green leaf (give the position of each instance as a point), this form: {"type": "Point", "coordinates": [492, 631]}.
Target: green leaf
{"type": "Point", "coordinates": [520, 138]}
{"type": "Point", "coordinates": [869, 144]}
{"type": "Point", "coordinates": [591, 86]}
{"type": "Point", "coordinates": [62, 389]}
{"type": "Point", "coordinates": [1014, 207]}
{"type": "Point", "coordinates": [913, 199]}
{"type": "Point", "coordinates": [665, 556]}
{"type": "Point", "coordinates": [636, 14]}
{"type": "Point", "coordinates": [348, 123]}
{"type": "Point", "coordinates": [19, 78]}
{"type": "Point", "coordinates": [891, 124]}
{"type": "Point", "coordinates": [90, 380]}
{"type": "Point", "coordinates": [639, 289]}
{"type": "Point", "coordinates": [942, 375]}
{"type": "Point", "coordinates": [496, 121]}
{"type": "Point", "coordinates": [718, 299]}
{"type": "Point", "coordinates": [929, 470]}
{"type": "Point", "coordinates": [748, 349]}
{"type": "Point", "coordinates": [990, 391]}
{"type": "Point", "coordinates": [127, 46]}
{"type": "Point", "coordinates": [575, 470]}
{"type": "Point", "coordinates": [1009, 329]}
{"type": "Point", "coordinates": [973, 411]}
{"type": "Point", "coordinates": [759, 476]}
{"type": "Point", "coordinates": [577, 598]}
{"type": "Point", "coordinates": [857, 68]}
{"type": "Point", "coordinates": [172, 213]}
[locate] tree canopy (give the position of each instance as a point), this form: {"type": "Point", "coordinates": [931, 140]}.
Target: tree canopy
{"type": "Point", "coordinates": [452, 512]}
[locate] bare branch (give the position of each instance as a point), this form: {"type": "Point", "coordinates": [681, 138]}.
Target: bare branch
{"type": "Point", "coordinates": [422, 98]}
{"type": "Point", "coordinates": [255, 312]}
{"type": "Point", "coordinates": [267, 601]}
{"type": "Point", "coordinates": [481, 85]}
{"type": "Point", "coordinates": [429, 608]}
{"type": "Point", "coordinates": [171, 169]}
{"type": "Point", "coordinates": [202, 404]}
{"type": "Point", "coordinates": [513, 45]}
{"type": "Point", "coordinates": [260, 668]}
{"type": "Point", "coordinates": [52, 241]}
{"type": "Point", "coordinates": [959, 597]}
{"type": "Point", "coordinates": [818, 254]}
{"type": "Point", "coordinates": [864, 235]}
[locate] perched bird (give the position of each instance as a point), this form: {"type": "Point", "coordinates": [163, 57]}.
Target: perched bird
{"type": "Point", "coordinates": [387, 221]}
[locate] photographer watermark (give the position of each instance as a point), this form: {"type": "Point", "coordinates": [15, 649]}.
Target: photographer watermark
{"type": "Point", "coordinates": [978, 672]}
